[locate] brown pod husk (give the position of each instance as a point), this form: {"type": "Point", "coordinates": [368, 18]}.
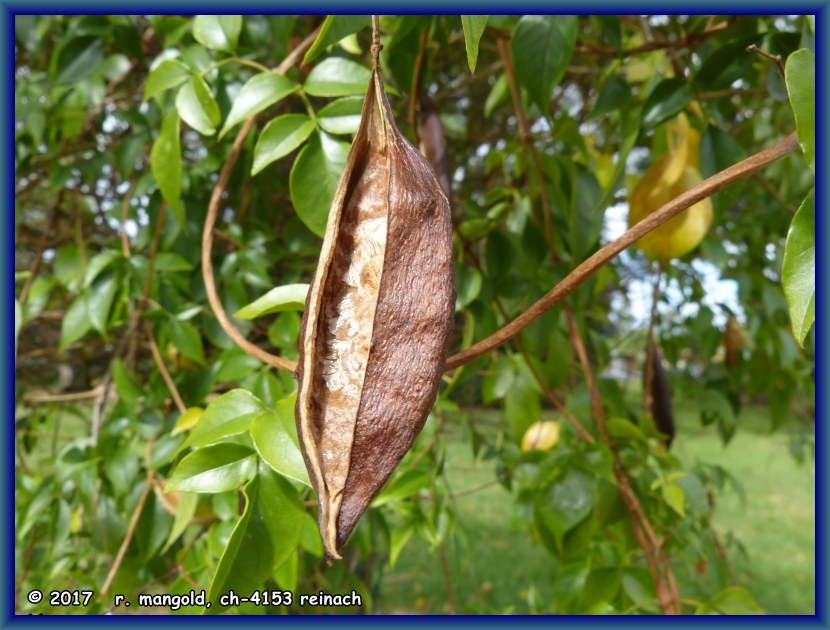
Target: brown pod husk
{"type": "Point", "coordinates": [661, 407]}
{"type": "Point", "coordinates": [732, 341]}
{"type": "Point", "coordinates": [377, 322]}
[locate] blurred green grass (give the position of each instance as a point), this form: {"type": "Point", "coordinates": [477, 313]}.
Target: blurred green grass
{"type": "Point", "coordinates": [504, 569]}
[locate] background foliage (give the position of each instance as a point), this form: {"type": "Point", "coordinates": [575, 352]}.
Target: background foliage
{"type": "Point", "coordinates": [128, 475]}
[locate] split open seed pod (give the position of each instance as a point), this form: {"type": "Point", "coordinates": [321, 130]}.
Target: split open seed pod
{"type": "Point", "coordinates": [377, 322]}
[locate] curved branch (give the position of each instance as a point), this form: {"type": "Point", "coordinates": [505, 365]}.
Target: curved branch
{"type": "Point", "coordinates": [578, 276]}
{"type": "Point", "coordinates": [210, 222]}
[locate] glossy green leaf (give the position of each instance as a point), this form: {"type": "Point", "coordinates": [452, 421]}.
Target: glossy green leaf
{"type": "Point", "coordinates": [169, 261]}
{"type": "Point", "coordinates": [341, 116]}
{"type": "Point", "coordinates": [186, 337]}
{"type": "Point", "coordinates": [189, 419]}
{"type": "Point", "coordinates": [674, 497]}
{"type": "Point", "coordinates": [185, 509]}
{"type": "Point", "coordinates": [216, 468]}
{"type": "Point", "coordinates": [166, 164]}
{"type": "Point", "coordinates": [542, 46]}
{"type": "Point", "coordinates": [76, 322]}
{"type": "Point", "coordinates": [99, 303]}
{"type": "Point", "coordinates": [290, 297]}
{"type": "Point", "coordinates": [799, 269]}
{"type": "Point", "coordinates": [218, 32]}
{"type": "Point", "coordinates": [403, 486]}
{"type": "Point", "coordinates": [275, 438]}
{"type": "Point", "coordinates": [260, 92]}
{"type": "Point", "coordinates": [337, 76]}
{"type": "Point", "coordinates": [197, 107]}
{"type": "Point", "coordinates": [801, 85]}
{"type": "Point", "coordinates": [168, 74]}
{"type": "Point", "coordinates": [468, 285]}
{"type": "Point", "coordinates": [666, 100]}
{"type": "Point", "coordinates": [564, 503]}
{"type": "Point", "coordinates": [473, 27]}
{"type": "Point", "coordinates": [279, 138]}
{"type": "Point", "coordinates": [733, 600]}
{"type": "Point", "coordinates": [128, 390]}
{"type": "Point", "coordinates": [335, 28]}
{"type": "Point", "coordinates": [265, 536]}
{"type": "Point", "coordinates": [227, 415]}
{"type": "Point", "coordinates": [78, 59]}
{"type": "Point", "coordinates": [615, 95]}
{"type": "Point", "coordinates": [314, 177]}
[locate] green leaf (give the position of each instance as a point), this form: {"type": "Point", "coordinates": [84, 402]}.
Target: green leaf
{"type": "Point", "coordinates": [625, 429]}
{"type": "Point", "coordinates": [168, 261]}
{"type": "Point", "coordinates": [798, 274]}
{"type": "Point", "coordinates": [279, 138]}
{"type": "Point", "coordinates": [128, 390]}
{"type": "Point", "coordinates": [615, 95]}
{"type": "Point", "coordinates": [98, 263]}
{"type": "Point", "coordinates": [99, 303]}
{"type": "Point", "coordinates": [75, 323]}
{"type": "Point", "coordinates": [675, 498]}
{"type": "Point", "coordinates": [185, 510]}
{"type": "Point", "coordinates": [168, 74]}
{"type": "Point", "coordinates": [260, 91]}
{"type": "Point", "coordinates": [189, 419]}
{"type": "Point", "coordinates": [667, 99]}
{"type": "Point", "coordinates": [290, 297]}
{"type": "Point", "coordinates": [800, 72]}
{"type": "Point", "coordinates": [216, 468]}
{"type": "Point", "coordinates": [564, 503]}
{"type": "Point", "coordinates": [341, 116]}
{"type": "Point", "coordinates": [314, 177]}
{"type": "Point", "coordinates": [403, 486]}
{"type": "Point", "coordinates": [468, 283]}
{"type": "Point", "coordinates": [337, 76]}
{"type": "Point", "coordinates": [498, 96]}
{"type": "Point", "coordinates": [218, 32]}
{"type": "Point", "coordinates": [275, 439]}
{"type": "Point", "coordinates": [718, 151]}
{"type": "Point", "coordinates": [166, 164]}
{"type": "Point", "coordinates": [227, 415]}
{"type": "Point", "coordinates": [542, 46]}
{"type": "Point", "coordinates": [473, 26]}
{"type": "Point", "coordinates": [265, 536]}
{"type": "Point", "coordinates": [335, 28]}
{"type": "Point", "coordinates": [197, 107]}
{"type": "Point", "coordinates": [79, 59]}
{"type": "Point", "coordinates": [187, 339]}
{"type": "Point", "coordinates": [733, 600]}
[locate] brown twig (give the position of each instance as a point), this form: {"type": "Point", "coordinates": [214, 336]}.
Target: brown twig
{"type": "Point", "coordinates": [664, 583]}
{"type": "Point", "coordinates": [779, 64]}
{"type": "Point", "coordinates": [59, 398]}
{"type": "Point", "coordinates": [774, 193]}
{"type": "Point", "coordinates": [119, 558]}
{"type": "Point", "coordinates": [528, 150]}
{"type": "Point", "coordinates": [591, 265]}
{"type": "Point", "coordinates": [416, 86]}
{"type": "Point", "coordinates": [174, 392]}
{"type": "Point", "coordinates": [447, 579]}
{"type": "Point", "coordinates": [690, 41]}
{"type": "Point", "coordinates": [210, 222]}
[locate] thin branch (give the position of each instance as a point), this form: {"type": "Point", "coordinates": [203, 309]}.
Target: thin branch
{"type": "Point", "coordinates": [589, 267]}
{"type": "Point", "coordinates": [119, 558]}
{"type": "Point", "coordinates": [690, 41]}
{"type": "Point", "coordinates": [163, 369]}
{"type": "Point", "coordinates": [210, 222]}
{"type": "Point", "coordinates": [528, 150]}
{"type": "Point", "coordinates": [779, 64]}
{"type": "Point", "coordinates": [59, 398]}
{"type": "Point", "coordinates": [447, 579]}
{"type": "Point", "coordinates": [416, 86]}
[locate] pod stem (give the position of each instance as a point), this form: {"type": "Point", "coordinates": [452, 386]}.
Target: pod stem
{"type": "Point", "coordinates": [376, 45]}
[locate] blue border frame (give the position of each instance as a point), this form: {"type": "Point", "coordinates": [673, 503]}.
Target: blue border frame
{"type": "Point", "coordinates": [7, 556]}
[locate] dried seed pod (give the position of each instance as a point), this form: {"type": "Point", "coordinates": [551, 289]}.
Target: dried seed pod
{"type": "Point", "coordinates": [732, 341]}
{"type": "Point", "coordinates": [660, 397]}
{"type": "Point", "coordinates": [378, 319]}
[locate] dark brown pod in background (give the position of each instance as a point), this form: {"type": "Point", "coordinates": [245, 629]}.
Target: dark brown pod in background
{"type": "Point", "coordinates": [660, 396]}
{"type": "Point", "coordinates": [732, 342]}
{"type": "Point", "coordinates": [378, 319]}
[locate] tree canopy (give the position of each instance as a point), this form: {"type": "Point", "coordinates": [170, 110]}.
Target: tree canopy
{"type": "Point", "coordinates": [173, 178]}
